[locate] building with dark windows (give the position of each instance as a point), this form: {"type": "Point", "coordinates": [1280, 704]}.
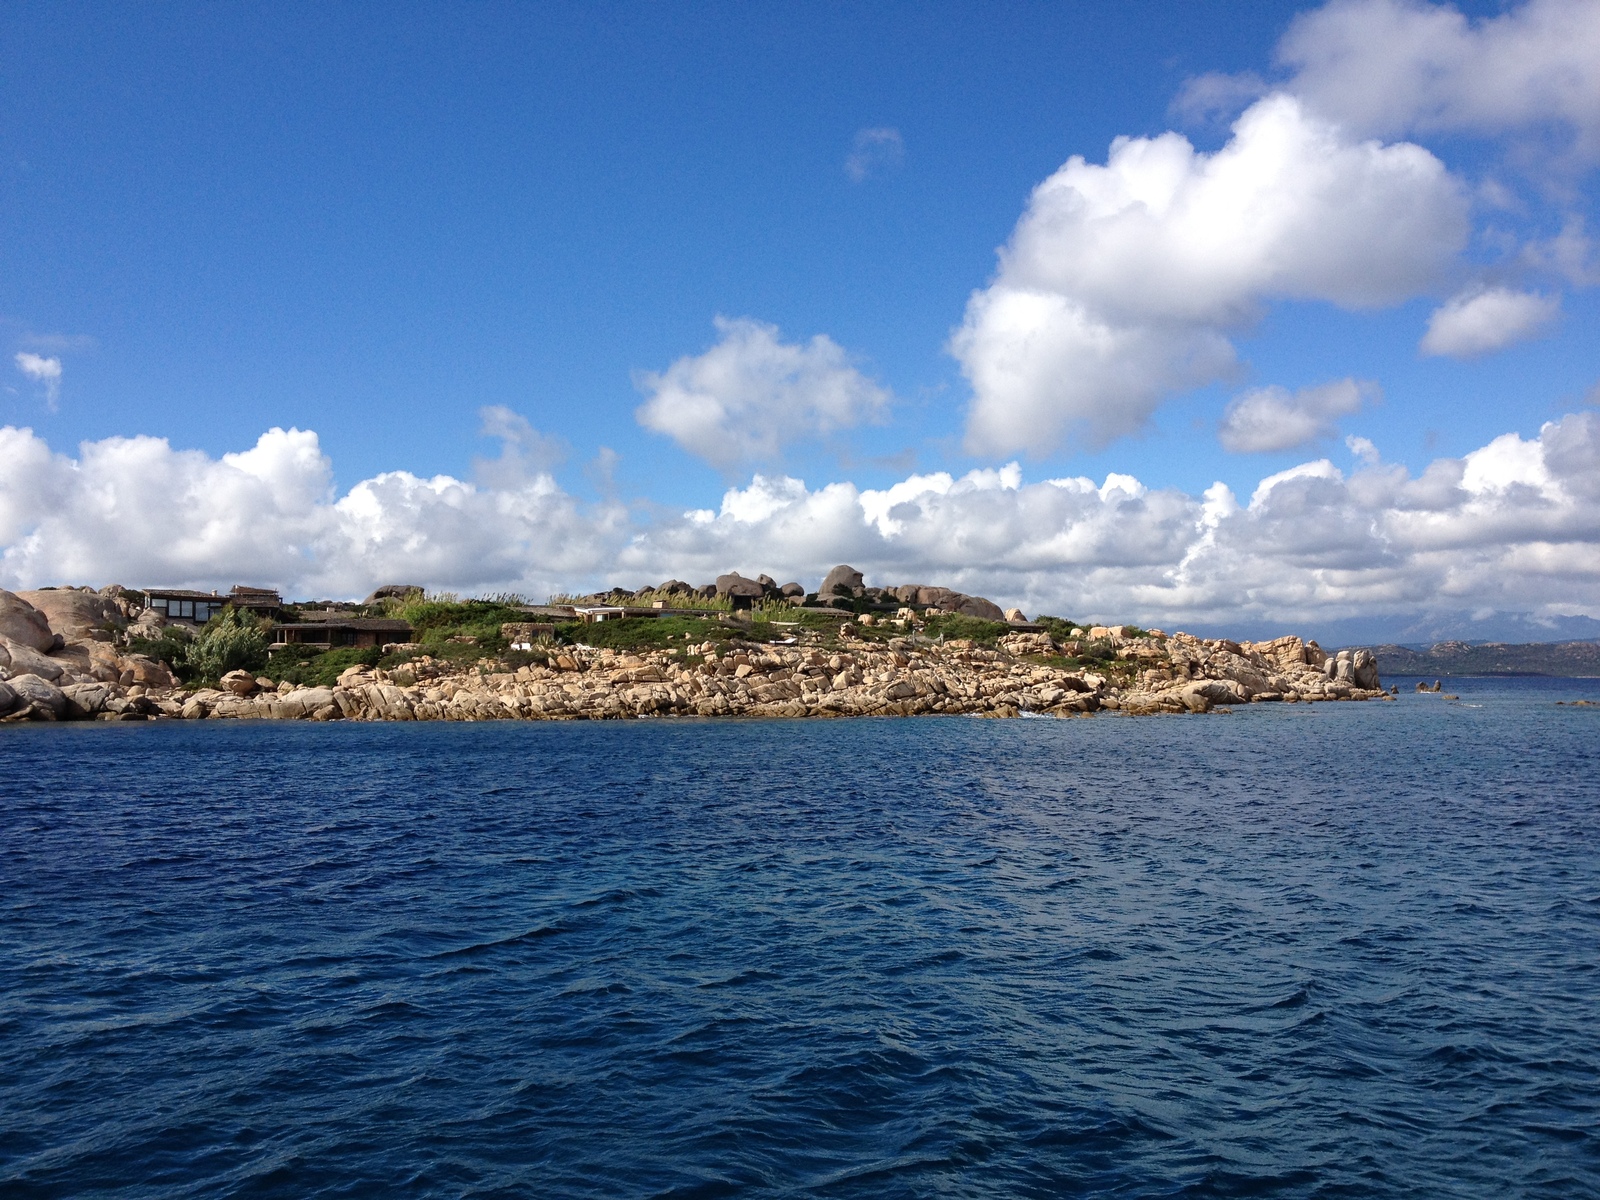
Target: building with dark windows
{"type": "Point", "coordinates": [196, 608]}
{"type": "Point", "coordinates": [184, 607]}
{"type": "Point", "coordinates": [331, 631]}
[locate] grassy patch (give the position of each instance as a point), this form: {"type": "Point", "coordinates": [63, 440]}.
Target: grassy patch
{"type": "Point", "coordinates": [306, 666]}
{"type": "Point", "coordinates": [440, 620]}
{"type": "Point", "coordinates": [646, 633]}
{"type": "Point", "coordinates": [955, 625]}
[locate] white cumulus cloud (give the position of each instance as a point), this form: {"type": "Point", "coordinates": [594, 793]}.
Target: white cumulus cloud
{"type": "Point", "coordinates": [1483, 321]}
{"type": "Point", "coordinates": [136, 511]}
{"type": "Point", "coordinates": [1122, 283]}
{"type": "Point", "coordinates": [1274, 418]}
{"type": "Point", "coordinates": [1395, 67]}
{"type": "Point", "coordinates": [751, 394]}
{"type": "Point", "coordinates": [42, 370]}
{"type": "Point", "coordinates": [1514, 525]}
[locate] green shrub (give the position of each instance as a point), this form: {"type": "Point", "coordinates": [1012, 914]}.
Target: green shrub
{"type": "Point", "coordinates": [436, 621]}
{"type": "Point", "coordinates": [642, 633]}
{"type": "Point", "coordinates": [309, 666]}
{"type": "Point", "coordinates": [172, 648]}
{"type": "Point", "coordinates": [230, 641]}
{"type": "Point", "coordinates": [1101, 651]}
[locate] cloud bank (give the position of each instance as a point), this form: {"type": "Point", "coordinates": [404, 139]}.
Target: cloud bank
{"type": "Point", "coordinates": [1122, 283]}
{"type": "Point", "coordinates": [1512, 525]}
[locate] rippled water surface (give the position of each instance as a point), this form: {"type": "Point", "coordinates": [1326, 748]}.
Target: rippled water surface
{"type": "Point", "coordinates": [1349, 950]}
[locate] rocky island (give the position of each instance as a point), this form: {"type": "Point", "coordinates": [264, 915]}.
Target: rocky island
{"type": "Point", "coordinates": [740, 647]}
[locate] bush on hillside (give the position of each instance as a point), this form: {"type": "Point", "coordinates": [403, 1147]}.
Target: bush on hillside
{"type": "Point", "coordinates": [230, 641]}
{"type": "Point", "coordinates": [311, 666]}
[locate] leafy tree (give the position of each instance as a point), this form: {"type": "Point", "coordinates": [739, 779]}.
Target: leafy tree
{"type": "Point", "coordinates": [230, 641]}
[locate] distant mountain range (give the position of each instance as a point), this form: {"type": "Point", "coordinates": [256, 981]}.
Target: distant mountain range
{"type": "Point", "coordinates": [1418, 631]}
{"type": "Point", "coordinates": [1491, 658]}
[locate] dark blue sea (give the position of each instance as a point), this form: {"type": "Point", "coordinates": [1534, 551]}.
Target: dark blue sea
{"type": "Point", "coordinates": [1342, 950]}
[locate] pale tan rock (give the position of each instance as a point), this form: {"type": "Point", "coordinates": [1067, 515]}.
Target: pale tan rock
{"type": "Point", "coordinates": [23, 624]}
{"type": "Point", "coordinates": [145, 671]}
{"type": "Point", "coordinates": [78, 616]}
{"type": "Point", "coordinates": [24, 659]}
{"type": "Point", "coordinates": [303, 702]}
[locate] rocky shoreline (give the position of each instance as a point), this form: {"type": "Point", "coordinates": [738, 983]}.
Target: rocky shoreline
{"type": "Point", "coordinates": [59, 660]}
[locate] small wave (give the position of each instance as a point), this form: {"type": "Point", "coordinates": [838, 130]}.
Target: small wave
{"type": "Point", "coordinates": [533, 935]}
{"type": "Point", "coordinates": [742, 978]}
{"type": "Point", "coordinates": [1099, 954]}
{"type": "Point", "coordinates": [588, 988]}
{"type": "Point", "coordinates": [615, 896]}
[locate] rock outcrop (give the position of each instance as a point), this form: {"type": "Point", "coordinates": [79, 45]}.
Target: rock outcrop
{"type": "Point", "coordinates": [55, 640]}
{"type": "Point", "coordinates": [1109, 669]}
{"type": "Point", "coordinates": [841, 581]}
{"type": "Point", "coordinates": [843, 587]}
{"type": "Point", "coordinates": [735, 584]}
{"type": "Point", "coordinates": [78, 614]}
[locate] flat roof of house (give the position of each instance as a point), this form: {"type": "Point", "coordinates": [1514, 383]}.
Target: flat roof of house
{"type": "Point", "coordinates": [376, 624]}
{"type": "Point", "coordinates": [179, 594]}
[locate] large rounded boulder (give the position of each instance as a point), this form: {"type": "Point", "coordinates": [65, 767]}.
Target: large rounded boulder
{"type": "Point", "coordinates": [22, 623]}
{"type": "Point", "coordinates": [842, 581]}
{"type": "Point", "coordinates": [41, 694]}
{"type": "Point", "coordinates": [77, 615]}
{"type": "Point", "coordinates": [23, 659]}
{"type": "Point", "coordinates": [735, 584]}
{"type": "Point", "coordinates": [977, 606]}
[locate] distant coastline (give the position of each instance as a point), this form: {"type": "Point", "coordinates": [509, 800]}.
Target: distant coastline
{"type": "Point", "coordinates": [1565, 660]}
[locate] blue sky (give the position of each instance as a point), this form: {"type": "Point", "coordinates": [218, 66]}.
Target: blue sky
{"type": "Point", "coordinates": [335, 218]}
{"type": "Point", "coordinates": [375, 222]}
